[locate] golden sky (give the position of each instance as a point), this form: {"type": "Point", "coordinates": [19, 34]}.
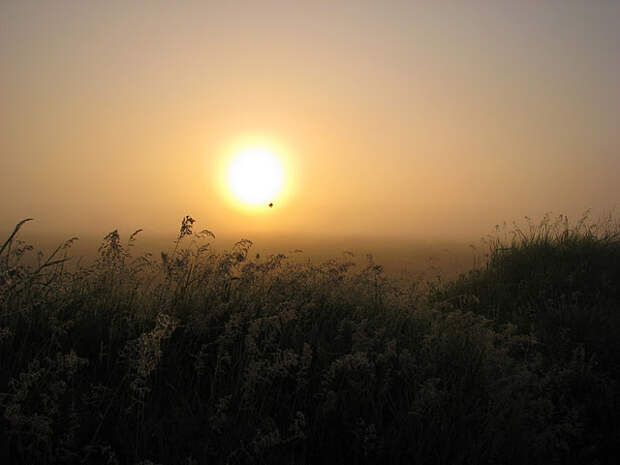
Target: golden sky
{"type": "Point", "coordinates": [391, 119]}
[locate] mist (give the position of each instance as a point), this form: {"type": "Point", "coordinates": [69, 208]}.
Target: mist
{"type": "Point", "coordinates": [401, 121]}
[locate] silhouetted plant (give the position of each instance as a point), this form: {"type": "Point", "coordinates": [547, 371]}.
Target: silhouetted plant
{"type": "Point", "coordinates": [230, 357]}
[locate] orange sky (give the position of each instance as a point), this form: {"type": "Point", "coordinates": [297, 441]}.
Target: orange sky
{"type": "Point", "coordinates": [407, 119]}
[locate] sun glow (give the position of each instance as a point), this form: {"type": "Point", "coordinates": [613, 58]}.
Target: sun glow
{"type": "Point", "coordinates": [255, 176]}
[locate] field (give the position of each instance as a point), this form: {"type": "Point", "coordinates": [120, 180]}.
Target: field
{"type": "Point", "coordinates": [199, 356]}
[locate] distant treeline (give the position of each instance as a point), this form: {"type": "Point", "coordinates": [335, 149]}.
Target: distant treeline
{"type": "Point", "coordinates": [196, 356]}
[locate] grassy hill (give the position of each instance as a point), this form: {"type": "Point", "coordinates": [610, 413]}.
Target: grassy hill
{"type": "Point", "coordinates": [197, 356]}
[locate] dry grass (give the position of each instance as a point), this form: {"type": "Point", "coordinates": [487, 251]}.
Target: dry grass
{"type": "Point", "coordinates": [195, 356]}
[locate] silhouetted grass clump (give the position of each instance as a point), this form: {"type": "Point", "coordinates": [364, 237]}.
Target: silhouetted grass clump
{"type": "Point", "coordinates": [558, 281]}
{"type": "Point", "coordinates": [195, 356]}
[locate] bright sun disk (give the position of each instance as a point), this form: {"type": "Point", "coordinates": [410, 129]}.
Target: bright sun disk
{"type": "Point", "coordinates": [255, 176]}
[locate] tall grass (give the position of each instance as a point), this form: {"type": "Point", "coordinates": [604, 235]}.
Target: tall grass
{"type": "Point", "coordinates": [195, 356]}
{"type": "Point", "coordinates": [556, 280]}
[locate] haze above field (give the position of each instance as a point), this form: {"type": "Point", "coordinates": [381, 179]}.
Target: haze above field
{"type": "Point", "coordinates": [419, 120]}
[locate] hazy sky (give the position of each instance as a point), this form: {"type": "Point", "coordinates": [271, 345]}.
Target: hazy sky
{"type": "Point", "coordinates": [411, 119]}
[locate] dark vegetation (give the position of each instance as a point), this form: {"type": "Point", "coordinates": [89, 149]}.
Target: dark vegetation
{"type": "Point", "coordinates": [202, 357]}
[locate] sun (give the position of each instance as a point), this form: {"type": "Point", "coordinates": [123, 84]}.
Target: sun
{"type": "Point", "coordinates": [255, 176]}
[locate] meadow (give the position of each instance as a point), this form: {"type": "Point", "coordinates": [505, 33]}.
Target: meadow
{"type": "Point", "coordinates": [196, 356]}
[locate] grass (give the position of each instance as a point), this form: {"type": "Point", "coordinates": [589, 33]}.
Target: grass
{"type": "Point", "coordinates": [195, 356]}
